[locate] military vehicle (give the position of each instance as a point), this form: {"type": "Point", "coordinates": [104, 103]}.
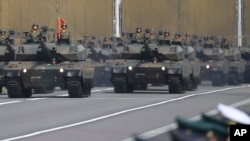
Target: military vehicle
{"type": "Point", "coordinates": [214, 66]}
{"type": "Point", "coordinates": [100, 58]}
{"type": "Point", "coordinates": [245, 54]}
{"type": "Point", "coordinates": [236, 66]}
{"type": "Point", "coordinates": [7, 53]}
{"type": "Point", "coordinates": [43, 66]}
{"type": "Point", "coordinates": [148, 63]}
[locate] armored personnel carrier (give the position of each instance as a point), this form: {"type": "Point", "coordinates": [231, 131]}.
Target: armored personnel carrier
{"type": "Point", "coordinates": [42, 66]}
{"type": "Point", "coordinates": [236, 66]}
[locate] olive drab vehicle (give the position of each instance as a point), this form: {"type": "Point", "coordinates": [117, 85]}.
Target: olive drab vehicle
{"type": "Point", "coordinates": [7, 53]}
{"type": "Point", "coordinates": [42, 66]}
{"type": "Point", "coordinates": [100, 55]}
{"type": "Point", "coordinates": [214, 67]}
{"type": "Point", "coordinates": [183, 69]}
{"type": "Point", "coordinates": [245, 54]}
{"type": "Point", "coordinates": [78, 69]}
{"type": "Point", "coordinates": [148, 63]}
{"type": "Point", "coordinates": [236, 66]}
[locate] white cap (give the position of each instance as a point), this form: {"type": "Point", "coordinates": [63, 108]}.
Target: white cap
{"type": "Point", "coordinates": [234, 114]}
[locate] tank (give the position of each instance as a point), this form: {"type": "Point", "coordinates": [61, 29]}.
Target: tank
{"type": "Point", "coordinates": [214, 67]}
{"type": "Point", "coordinates": [7, 53]}
{"type": "Point", "coordinates": [149, 63]}
{"type": "Point", "coordinates": [100, 57]}
{"type": "Point", "coordinates": [236, 66]}
{"type": "Point", "coordinates": [245, 55]}
{"type": "Point", "coordinates": [42, 66]}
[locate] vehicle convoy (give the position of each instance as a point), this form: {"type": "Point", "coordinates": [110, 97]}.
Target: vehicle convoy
{"type": "Point", "coordinates": [236, 66]}
{"type": "Point", "coordinates": [42, 66]}
{"type": "Point", "coordinates": [147, 63]}
{"type": "Point", "coordinates": [214, 66]}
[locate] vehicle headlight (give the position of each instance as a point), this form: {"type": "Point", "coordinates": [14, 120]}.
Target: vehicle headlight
{"type": "Point", "coordinates": [61, 70]}
{"type": "Point", "coordinates": [24, 70]}
{"type": "Point", "coordinates": [207, 66]}
{"type": "Point", "coordinates": [163, 68]}
{"type": "Point", "coordinates": [130, 68]}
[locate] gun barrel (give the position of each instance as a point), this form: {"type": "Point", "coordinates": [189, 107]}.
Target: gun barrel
{"type": "Point", "coordinates": [43, 46]}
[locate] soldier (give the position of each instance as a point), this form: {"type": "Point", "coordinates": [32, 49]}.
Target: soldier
{"type": "Point", "coordinates": [152, 37]}
{"type": "Point", "coordinates": [209, 43]}
{"type": "Point", "coordinates": [124, 37]}
{"type": "Point", "coordinates": [106, 42]}
{"type": "Point", "coordinates": [87, 41]}
{"type": "Point", "coordinates": [177, 40]}
{"type": "Point", "coordinates": [224, 43]}
{"type": "Point", "coordinates": [187, 40]}
{"type": "Point", "coordinates": [3, 36]}
{"type": "Point", "coordinates": [166, 38]}
{"type": "Point", "coordinates": [139, 35]}
{"type": "Point", "coordinates": [64, 34]}
{"type": "Point", "coordinates": [34, 33]}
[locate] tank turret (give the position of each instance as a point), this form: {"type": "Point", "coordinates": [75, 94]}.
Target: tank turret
{"type": "Point", "coordinates": [232, 54]}
{"type": "Point", "coordinates": [212, 54]}
{"type": "Point", "coordinates": [173, 52]}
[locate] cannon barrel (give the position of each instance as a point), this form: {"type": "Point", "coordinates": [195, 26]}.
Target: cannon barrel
{"type": "Point", "coordinates": [10, 49]}
{"type": "Point", "coordinates": [43, 46]}
{"type": "Point", "coordinates": [149, 51]}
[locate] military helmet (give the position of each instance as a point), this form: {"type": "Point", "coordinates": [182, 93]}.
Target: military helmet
{"type": "Point", "coordinates": [166, 33]}
{"type": "Point", "coordinates": [138, 30]}
{"type": "Point", "coordinates": [188, 34]}
{"type": "Point", "coordinates": [35, 26]}
{"type": "Point", "coordinates": [86, 36]}
{"type": "Point", "coordinates": [177, 34]}
{"type": "Point", "coordinates": [106, 38]}
{"type": "Point", "coordinates": [3, 32]}
{"type": "Point", "coordinates": [64, 25]}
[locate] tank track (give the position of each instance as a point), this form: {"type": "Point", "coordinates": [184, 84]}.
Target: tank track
{"type": "Point", "coordinates": [121, 85]}
{"type": "Point", "coordinates": [16, 90]}
{"type": "Point", "coordinates": [77, 89]}
{"type": "Point", "coordinates": [175, 84]}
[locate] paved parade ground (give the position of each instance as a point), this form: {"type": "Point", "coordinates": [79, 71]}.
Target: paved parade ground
{"type": "Point", "coordinates": [107, 116]}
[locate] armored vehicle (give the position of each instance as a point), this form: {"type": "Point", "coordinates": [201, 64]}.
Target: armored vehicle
{"type": "Point", "coordinates": [236, 66]}
{"type": "Point", "coordinates": [214, 67]}
{"type": "Point", "coordinates": [245, 54]}
{"type": "Point", "coordinates": [144, 64]}
{"type": "Point", "coordinates": [43, 66]}
{"type": "Point", "coordinates": [7, 53]}
{"type": "Point", "coordinates": [100, 55]}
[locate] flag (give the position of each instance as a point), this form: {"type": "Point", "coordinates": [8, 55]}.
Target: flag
{"type": "Point", "coordinates": [60, 21]}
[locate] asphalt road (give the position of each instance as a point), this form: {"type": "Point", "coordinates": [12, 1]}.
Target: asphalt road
{"type": "Point", "coordinates": [106, 116]}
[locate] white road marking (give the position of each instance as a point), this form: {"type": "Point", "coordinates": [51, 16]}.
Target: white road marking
{"type": "Point", "coordinates": [33, 99]}
{"type": "Point", "coordinates": [116, 114]}
{"type": "Point", "coordinates": [153, 133]}
{"type": "Point", "coordinates": [9, 102]}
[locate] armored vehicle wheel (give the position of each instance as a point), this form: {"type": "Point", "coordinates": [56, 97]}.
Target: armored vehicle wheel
{"type": "Point", "coordinates": [176, 85]}
{"type": "Point", "coordinates": [233, 79]}
{"type": "Point", "coordinates": [14, 89]}
{"type": "Point", "coordinates": [77, 89]}
{"type": "Point", "coordinates": [218, 80]}
{"type": "Point", "coordinates": [122, 86]}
